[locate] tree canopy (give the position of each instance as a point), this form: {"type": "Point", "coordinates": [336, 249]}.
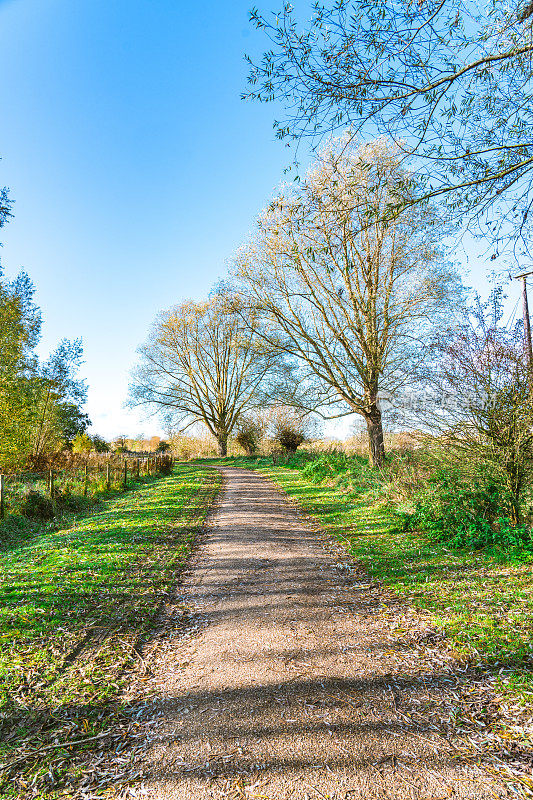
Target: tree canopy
{"type": "Point", "coordinates": [201, 363]}
{"type": "Point", "coordinates": [347, 293]}
{"type": "Point", "coordinates": [40, 403]}
{"type": "Point", "coordinates": [449, 82]}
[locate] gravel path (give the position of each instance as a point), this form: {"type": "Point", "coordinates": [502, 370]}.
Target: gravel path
{"type": "Point", "coordinates": [284, 684]}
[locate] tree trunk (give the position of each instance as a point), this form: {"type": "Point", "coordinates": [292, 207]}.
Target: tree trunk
{"type": "Point", "coordinates": [222, 444]}
{"type": "Point", "coordinates": [374, 426]}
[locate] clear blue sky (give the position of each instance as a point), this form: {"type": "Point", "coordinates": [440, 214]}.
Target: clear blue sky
{"type": "Point", "coordinates": [135, 167]}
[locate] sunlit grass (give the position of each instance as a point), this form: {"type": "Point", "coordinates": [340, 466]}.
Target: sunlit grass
{"type": "Point", "coordinates": [76, 603]}
{"type": "Point", "coordinates": [482, 601]}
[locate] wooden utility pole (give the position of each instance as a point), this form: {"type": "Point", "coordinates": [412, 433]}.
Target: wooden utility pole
{"type": "Point", "coordinates": [527, 323]}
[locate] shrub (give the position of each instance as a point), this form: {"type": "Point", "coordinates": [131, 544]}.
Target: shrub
{"type": "Point", "coordinates": [100, 445]}
{"type": "Point", "coordinates": [249, 435]}
{"type": "Point", "coordinates": [82, 443]}
{"type": "Point", "coordinates": [37, 506]}
{"type": "Point", "coordinates": [326, 465]}
{"type": "Point", "coordinates": [65, 501]}
{"type": "Point", "coordinates": [290, 428]}
{"type": "Point", "coordinates": [165, 466]}
{"type": "Point", "coordinates": [471, 514]}
{"type": "Point", "coordinates": [289, 438]}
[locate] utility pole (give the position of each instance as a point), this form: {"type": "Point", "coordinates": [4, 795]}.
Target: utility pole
{"type": "Point", "coordinates": [527, 323]}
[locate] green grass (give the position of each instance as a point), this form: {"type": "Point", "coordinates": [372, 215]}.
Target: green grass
{"type": "Point", "coordinates": [482, 600]}
{"type": "Point", "coordinates": [75, 604]}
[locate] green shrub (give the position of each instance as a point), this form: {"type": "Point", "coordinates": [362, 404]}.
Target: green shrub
{"type": "Point", "coordinates": [472, 514]}
{"type": "Point", "coordinates": [352, 472]}
{"type": "Point", "coordinates": [325, 466]}
{"type": "Point", "coordinates": [333, 466]}
{"type": "Point", "coordinates": [65, 501]}
{"type": "Point", "coordinates": [37, 506]}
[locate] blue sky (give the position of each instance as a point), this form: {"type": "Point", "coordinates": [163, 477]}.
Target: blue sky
{"type": "Point", "coordinates": [135, 166]}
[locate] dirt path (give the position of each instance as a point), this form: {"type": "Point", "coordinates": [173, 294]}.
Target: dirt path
{"type": "Point", "coordinates": [286, 684]}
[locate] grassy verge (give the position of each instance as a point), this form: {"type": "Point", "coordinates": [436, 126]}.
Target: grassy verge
{"type": "Point", "coordinates": [71, 502]}
{"type": "Point", "coordinates": [75, 604]}
{"type": "Point", "coordinates": [481, 600]}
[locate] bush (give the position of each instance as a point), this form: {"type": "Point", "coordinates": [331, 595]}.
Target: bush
{"type": "Point", "coordinates": [459, 508]}
{"type": "Point", "coordinates": [37, 506]}
{"type": "Point", "coordinates": [326, 465]}
{"type": "Point", "coordinates": [289, 438]}
{"type": "Point", "coordinates": [165, 466]}
{"type": "Point", "coordinates": [82, 444]}
{"type": "Point", "coordinates": [348, 472]}
{"type": "Point", "coordinates": [249, 435]}
{"type": "Point", "coordinates": [474, 514]}
{"type": "Point", "coordinates": [290, 428]}
{"type": "Point", "coordinates": [100, 445]}
{"type": "Point", "coordinates": [65, 501]}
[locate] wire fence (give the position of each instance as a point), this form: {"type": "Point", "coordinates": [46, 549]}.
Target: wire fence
{"type": "Point", "coordinates": [62, 485]}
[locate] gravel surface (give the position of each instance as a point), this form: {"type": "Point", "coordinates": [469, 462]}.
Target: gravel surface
{"type": "Point", "coordinates": [276, 675]}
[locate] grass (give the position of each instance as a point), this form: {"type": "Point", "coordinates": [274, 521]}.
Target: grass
{"type": "Point", "coordinates": [72, 499]}
{"type": "Point", "coordinates": [75, 605]}
{"type": "Point", "coordinates": [481, 600]}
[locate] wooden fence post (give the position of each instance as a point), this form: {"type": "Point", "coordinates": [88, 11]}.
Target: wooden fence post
{"type": "Point", "coordinates": [51, 483]}
{"type": "Point", "coordinates": [107, 478]}
{"type": "Point", "coordinates": [85, 479]}
{"type": "Point", "coordinates": [2, 497]}
{"type": "Point", "coordinates": [125, 473]}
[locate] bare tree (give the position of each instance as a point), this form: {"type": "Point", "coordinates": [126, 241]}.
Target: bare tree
{"type": "Point", "coordinates": [342, 289]}
{"type": "Point", "coordinates": [201, 363]}
{"type": "Point", "coordinates": [451, 82]}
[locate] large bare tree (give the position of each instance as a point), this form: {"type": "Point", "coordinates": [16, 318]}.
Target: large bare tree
{"type": "Point", "coordinates": [345, 290]}
{"type": "Point", "coordinates": [202, 364]}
